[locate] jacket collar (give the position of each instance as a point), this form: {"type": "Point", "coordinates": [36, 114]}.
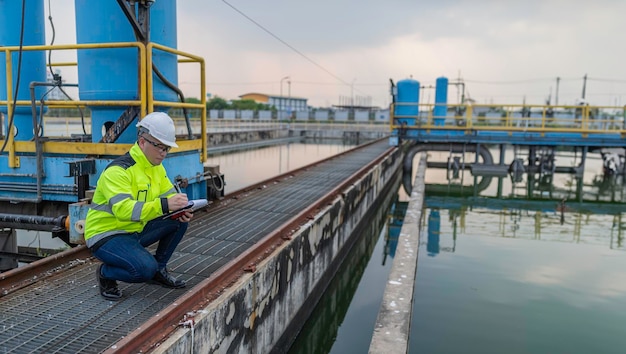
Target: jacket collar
{"type": "Point", "coordinates": [139, 156]}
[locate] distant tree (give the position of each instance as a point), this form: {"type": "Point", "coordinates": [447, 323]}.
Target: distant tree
{"type": "Point", "coordinates": [217, 103]}
{"type": "Point", "coordinates": [191, 112]}
{"type": "Point", "coordinates": [248, 104]}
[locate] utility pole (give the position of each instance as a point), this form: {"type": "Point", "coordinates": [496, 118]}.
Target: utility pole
{"type": "Point", "coordinates": [556, 99]}
{"type": "Point", "coordinates": [584, 85]}
{"type": "Point", "coordinates": [352, 93]}
{"type": "Point", "coordinates": [281, 101]}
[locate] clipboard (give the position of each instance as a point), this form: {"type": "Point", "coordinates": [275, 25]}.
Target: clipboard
{"type": "Point", "coordinates": [192, 206]}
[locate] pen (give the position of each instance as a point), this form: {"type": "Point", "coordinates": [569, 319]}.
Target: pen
{"type": "Point", "coordinates": [177, 187]}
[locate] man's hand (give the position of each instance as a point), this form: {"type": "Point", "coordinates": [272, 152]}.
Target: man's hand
{"type": "Point", "coordinates": [186, 217]}
{"type": "Point", "coordinates": [177, 201]}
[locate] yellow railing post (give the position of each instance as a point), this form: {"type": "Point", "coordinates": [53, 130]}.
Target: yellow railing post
{"type": "Point", "coordinates": [429, 119]}
{"type": "Point", "coordinates": [507, 118]}
{"type": "Point", "coordinates": [205, 149]}
{"type": "Point", "coordinates": [13, 160]}
{"type": "Point", "coordinates": [145, 107]}
{"type": "Point", "coordinates": [148, 79]}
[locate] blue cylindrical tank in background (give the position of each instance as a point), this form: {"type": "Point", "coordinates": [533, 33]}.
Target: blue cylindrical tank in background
{"type": "Point", "coordinates": [441, 101]}
{"type": "Point", "coordinates": [163, 31]}
{"type": "Point", "coordinates": [33, 66]}
{"type": "Point", "coordinates": [406, 103]}
{"type": "Point", "coordinates": [113, 74]}
{"type": "Point", "coordinates": [434, 229]}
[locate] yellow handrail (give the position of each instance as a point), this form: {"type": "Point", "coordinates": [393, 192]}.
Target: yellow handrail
{"type": "Point", "coordinates": [582, 119]}
{"type": "Point", "coordinates": [190, 58]}
{"type": "Point", "coordinates": [145, 102]}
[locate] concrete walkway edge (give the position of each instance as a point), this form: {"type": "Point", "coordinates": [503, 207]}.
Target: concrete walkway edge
{"type": "Point", "coordinates": [393, 325]}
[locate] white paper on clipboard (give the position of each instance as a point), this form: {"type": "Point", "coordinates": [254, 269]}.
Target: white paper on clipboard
{"type": "Point", "coordinates": [192, 206]}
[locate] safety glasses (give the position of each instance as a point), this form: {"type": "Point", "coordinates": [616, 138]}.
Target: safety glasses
{"type": "Point", "coordinates": [161, 147]}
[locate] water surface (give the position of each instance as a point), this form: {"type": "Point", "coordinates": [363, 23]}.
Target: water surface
{"type": "Point", "coordinates": [523, 267]}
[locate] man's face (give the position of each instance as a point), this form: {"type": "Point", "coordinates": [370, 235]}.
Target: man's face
{"type": "Point", "coordinates": [154, 150]}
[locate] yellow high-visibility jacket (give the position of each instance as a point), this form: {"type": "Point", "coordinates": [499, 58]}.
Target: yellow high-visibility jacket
{"type": "Point", "coordinates": [130, 192]}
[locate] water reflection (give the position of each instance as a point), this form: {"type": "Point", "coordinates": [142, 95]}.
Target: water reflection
{"type": "Point", "coordinates": [434, 227]}
{"type": "Point", "coordinates": [528, 219]}
{"type": "Point", "coordinates": [345, 316]}
{"type": "Point", "coordinates": [252, 165]}
{"type": "Point", "coordinates": [541, 206]}
{"type": "Point", "coordinates": [395, 219]}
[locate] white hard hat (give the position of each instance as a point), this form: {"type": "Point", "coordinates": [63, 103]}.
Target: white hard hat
{"type": "Point", "coordinates": [160, 126]}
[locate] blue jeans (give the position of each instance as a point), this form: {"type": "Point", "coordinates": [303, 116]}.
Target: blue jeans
{"type": "Point", "coordinates": [125, 257]}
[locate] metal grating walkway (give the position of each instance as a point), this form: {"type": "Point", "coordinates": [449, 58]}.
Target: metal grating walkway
{"type": "Point", "coordinates": [64, 313]}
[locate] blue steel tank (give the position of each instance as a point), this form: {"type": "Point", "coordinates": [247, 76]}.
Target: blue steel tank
{"type": "Point", "coordinates": [113, 74]}
{"type": "Point", "coordinates": [441, 101]}
{"type": "Point", "coordinates": [406, 103]}
{"type": "Point", "coordinates": [33, 67]}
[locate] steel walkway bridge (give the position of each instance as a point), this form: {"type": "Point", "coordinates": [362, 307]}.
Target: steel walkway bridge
{"type": "Point", "coordinates": [540, 125]}
{"type": "Point", "coordinates": [535, 132]}
{"type": "Point", "coordinates": [53, 305]}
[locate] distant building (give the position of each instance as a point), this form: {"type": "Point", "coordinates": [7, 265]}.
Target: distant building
{"type": "Point", "coordinates": [281, 103]}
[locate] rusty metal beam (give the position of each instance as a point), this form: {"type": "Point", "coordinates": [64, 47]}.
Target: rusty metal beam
{"type": "Point", "coordinates": [23, 276]}
{"type": "Point", "coordinates": [116, 129]}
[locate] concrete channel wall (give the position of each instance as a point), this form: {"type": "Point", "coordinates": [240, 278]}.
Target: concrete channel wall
{"type": "Point", "coordinates": [393, 325]}
{"type": "Point", "coordinates": [346, 282]}
{"type": "Point", "coordinates": [255, 314]}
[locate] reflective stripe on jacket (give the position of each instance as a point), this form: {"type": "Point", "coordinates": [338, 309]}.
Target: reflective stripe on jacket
{"type": "Point", "coordinates": [130, 192]}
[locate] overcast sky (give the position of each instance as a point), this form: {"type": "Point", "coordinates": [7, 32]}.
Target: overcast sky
{"type": "Point", "coordinates": [506, 51]}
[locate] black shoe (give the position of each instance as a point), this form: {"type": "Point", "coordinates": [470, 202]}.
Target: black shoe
{"type": "Point", "coordinates": [165, 279]}
{"type": "Point", "coordinates": [108, 287]}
